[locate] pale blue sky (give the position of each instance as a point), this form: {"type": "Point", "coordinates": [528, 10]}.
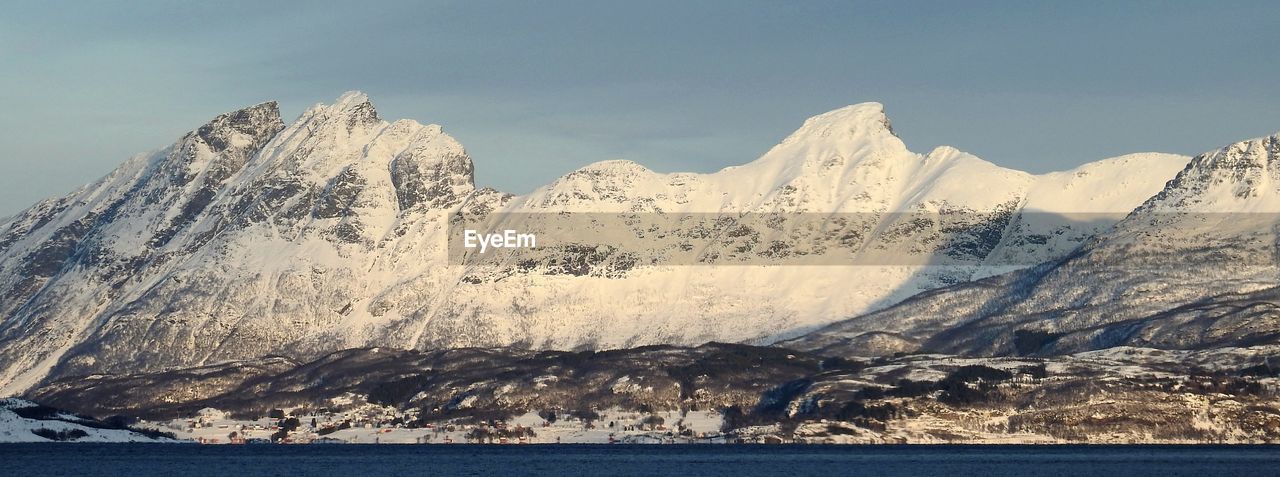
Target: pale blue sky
{"type": "Point", "coordinates": [536, 89]}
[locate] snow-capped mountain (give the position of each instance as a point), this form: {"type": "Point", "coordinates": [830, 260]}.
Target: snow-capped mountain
{"type": "Point", "coordinates": [249, 237]}
{"type": "Point", "coordinates": [1193, 267]}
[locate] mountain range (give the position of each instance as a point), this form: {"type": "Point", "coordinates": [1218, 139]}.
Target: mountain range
{"type": "Point", "coordinates": [1193, 267]}
{"type": "Point", "coordinates": [249, 238]}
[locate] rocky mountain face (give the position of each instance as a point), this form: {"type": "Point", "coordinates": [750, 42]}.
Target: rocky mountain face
{"type": "Point", "coordinates": [460, 383]}
{"type": "Point", "coordinates": [1193, 267]}
{"type": "Point", "coordinates": [249, 237]}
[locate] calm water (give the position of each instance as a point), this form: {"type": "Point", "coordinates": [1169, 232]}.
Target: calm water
{"type": "Point", "coordinates": [723, 460]}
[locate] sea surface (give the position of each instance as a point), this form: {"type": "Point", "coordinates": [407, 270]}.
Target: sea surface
{"type": "Point", "coordinates": [619, 460]}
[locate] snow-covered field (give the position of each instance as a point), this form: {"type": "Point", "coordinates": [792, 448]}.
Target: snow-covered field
{"type": "Point", "coordinates": [56, 426]}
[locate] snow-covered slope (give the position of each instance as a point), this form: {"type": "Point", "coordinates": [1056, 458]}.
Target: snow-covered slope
{"type": "Point", "coordinates": [248, 237]}
{"type": "Point", "coordinates": [1193, 267]}
{"type": "Point", "coordinates": [25, 421]}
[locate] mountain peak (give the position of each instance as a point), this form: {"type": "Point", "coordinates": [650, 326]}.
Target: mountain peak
{"type": "Point", "coordinates": [1249, 151]}
{"type": "Point", "coordinates": [352, 108]}
{"type": "Point", "coordinates": [1242, 162]}
{"type": "Point", "coordinates": [857, 120]}
{"type": "Point", "coordinates": [351, 98]}
{"type": "Point", "coordinates": [258, 123]}
{"type": "Point", "coordinates": [357, 108]}
{"type": "Point", "coordinates": [841, 136]}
